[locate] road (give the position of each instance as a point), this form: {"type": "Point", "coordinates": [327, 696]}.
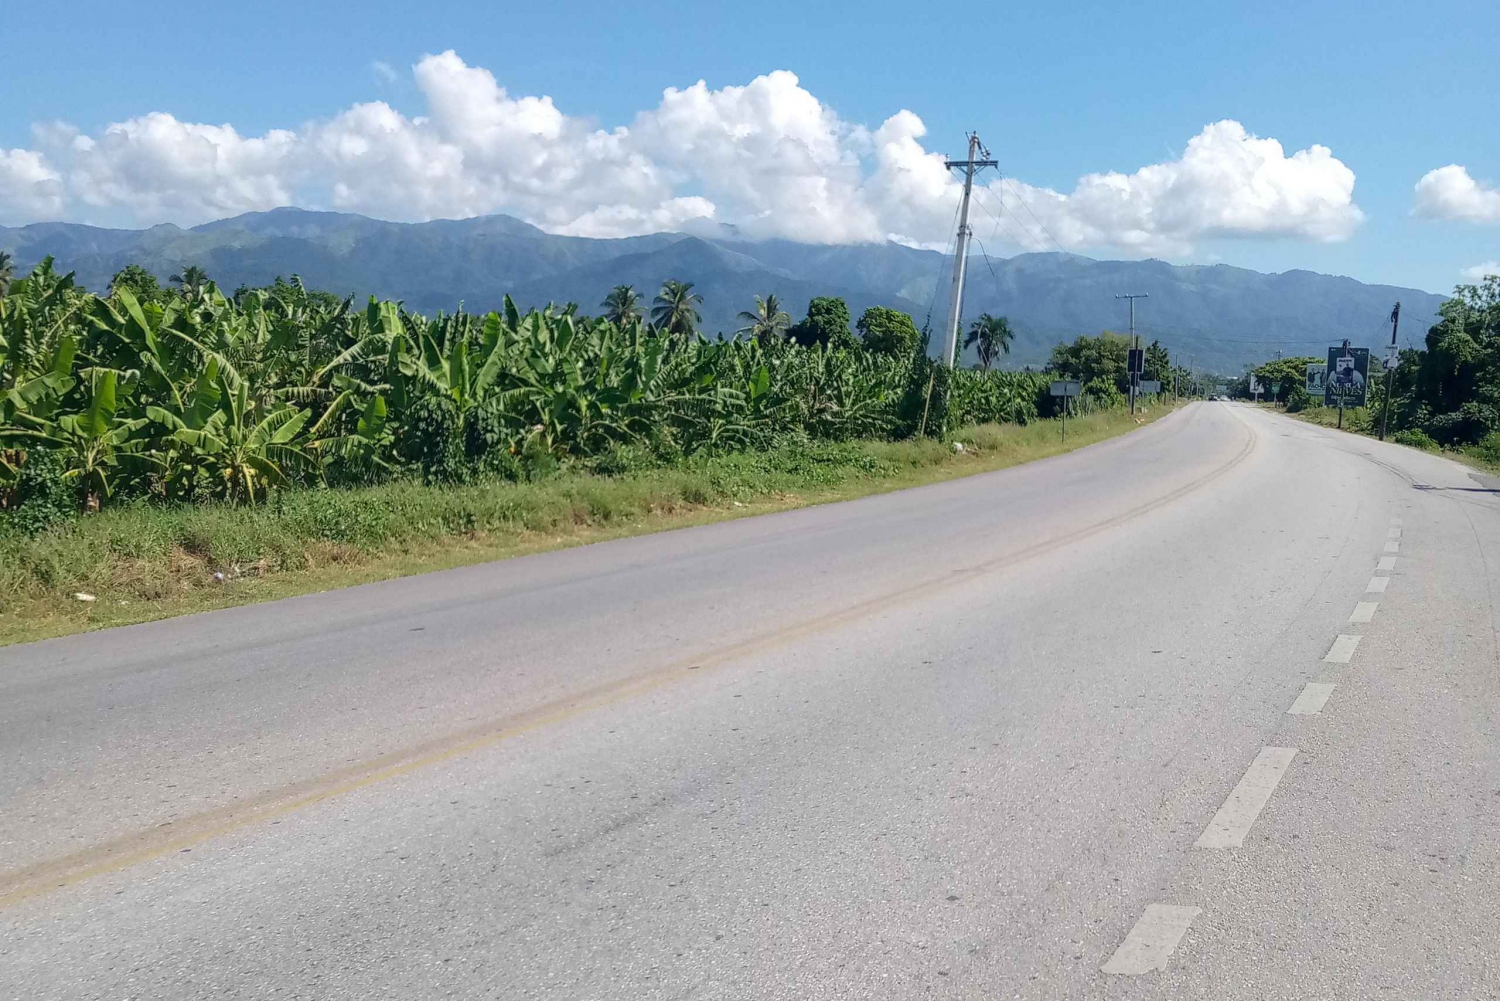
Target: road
{"type": "Point", "coordinates": [1209, 710]}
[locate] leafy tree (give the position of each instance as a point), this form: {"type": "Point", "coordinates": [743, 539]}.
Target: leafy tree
{"type": "Point", "coordinates": [7, 270]}
{"type": "Point", "coordinates": [769, 322]}
{"type": "Point", "coordinates": [1291, 375]}
{"type": "Point", "coordinates": [674, 310]}
{"type": "Point", "coordinates": [1094, 361]}
{"type": "Point", "coordinates": [826, 323]}
{"type": "Point", "coordinates": [141, 283]}
{"type": "Point", "coordinates": [888, 331]}
{"type": "Point", "coordinates": [1157, 364]}
{"type": "Point", "coordinates": [992, 336]}
{"type": "Point", "coordinates": [622, 306]}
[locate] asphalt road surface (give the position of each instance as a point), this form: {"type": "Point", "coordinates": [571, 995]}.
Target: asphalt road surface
{"type": "Point", "coordinates": [1208, 711]}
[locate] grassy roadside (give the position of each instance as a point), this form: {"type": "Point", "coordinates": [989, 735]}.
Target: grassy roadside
{"type": "Point", "coordinates": [142, 563]}
{"type": "Point", "coordinates": [1358, 420]}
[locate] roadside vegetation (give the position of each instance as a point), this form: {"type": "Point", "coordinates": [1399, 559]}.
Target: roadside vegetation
{"type": "Point", "coordinates": [1444, 395]}
{"type": "Point", "coordinates": [158, 442]}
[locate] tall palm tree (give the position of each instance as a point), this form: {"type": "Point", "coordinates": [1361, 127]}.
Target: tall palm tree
{"type": "Point", "coordinates": [673, 310]}
{"type": "Point", "coordinates": [768, 322]}
{"type": "Point", "coordinates": [193, 281]}
{"type": "Point", "coordinates": [622, 306]}
{"type": "Point", "coordinates": [993, 335]}
{"type": "Point", "coordinates": [7, 271]}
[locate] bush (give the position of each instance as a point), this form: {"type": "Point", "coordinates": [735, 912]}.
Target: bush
{"type": "Point", "coordinates": [430, 437]}
{"type": "Point", "coordinates": [1489, 448]}
{"type": "Point", "coordinates": [1467, 425]}
{"type": "Point", "coordinates": [1416, 438]}
{"type": "Point", "coordinates": [39, 497]}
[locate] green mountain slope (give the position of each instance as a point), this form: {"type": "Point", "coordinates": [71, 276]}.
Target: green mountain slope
{"type": "Point", "coordinates": [1222, 317]}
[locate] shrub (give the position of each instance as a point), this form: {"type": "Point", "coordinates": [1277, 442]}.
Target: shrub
{"type": "Point", "coordinates": [39, 497]}
{"type": "Point", "coordinates": [430, 437]}
{"type": "Point", "coordinates": [1489, 448]}
{"type": "Point", "coordinates": [1416, 438]}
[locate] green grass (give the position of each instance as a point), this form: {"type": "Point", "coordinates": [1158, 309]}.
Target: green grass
{"type": "Point", "coordinates": [144, 562]}
{"type": "Point", "coordinates": [1359, 420]}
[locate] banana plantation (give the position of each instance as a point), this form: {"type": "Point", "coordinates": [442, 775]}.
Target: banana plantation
{"type": "Point", "coordinates": [190, 395]}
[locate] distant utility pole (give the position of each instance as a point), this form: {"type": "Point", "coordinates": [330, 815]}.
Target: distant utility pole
{"type": "Point", "coordinates": [1133, 297]}
{"type": "Point", "coordinates": [961, 251]}
{"type": "Point", "coordinates": [1390, 371]}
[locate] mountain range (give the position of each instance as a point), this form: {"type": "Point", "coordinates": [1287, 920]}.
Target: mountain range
{"type": "Point", "coordinates": [1220, 317]}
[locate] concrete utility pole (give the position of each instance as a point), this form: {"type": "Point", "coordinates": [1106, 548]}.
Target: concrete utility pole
{"type": "Point", "coordinates": [1133, 297]}
{"type": "Point", "coordinates": [961, 250]}
{"type": "Point", "coordinates": [1385, 414]}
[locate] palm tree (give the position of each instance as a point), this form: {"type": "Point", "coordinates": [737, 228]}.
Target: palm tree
{"type": "Point", "coordinates": [7, 270]}
{"type": "Point", "coordinates": [993, 335]}
{"type": "Point", "coordinates": [768, 322]}
{"type": "Point", "coordinates": [192, 279]}
{"type": "Point", "coordinates": [673, 308]}
{"type": "Point", "coordinates": [622, 306]}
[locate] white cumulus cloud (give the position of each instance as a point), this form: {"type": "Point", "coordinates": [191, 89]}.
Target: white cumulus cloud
{"type": "Point", "coordinates": [1450, 193]}
{"type": "Point", "coordinates": [30, 189]}
{"type": "Point", "coordinates": [767, 157]}
{"type": "Point", "coordinates": [159, 168]}
{"type": "Point", "coordinates": [1480, 272]}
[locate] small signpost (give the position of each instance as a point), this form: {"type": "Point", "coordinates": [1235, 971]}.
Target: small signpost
{"type": "Point", "coordinates": [1254, 387]}
{"type": "Point", "coordinates": [1150, 387]}
{"type": "Point", "coordinates": [1275, 392]}
{"type": "Point", "coordinates": [1066, 388]}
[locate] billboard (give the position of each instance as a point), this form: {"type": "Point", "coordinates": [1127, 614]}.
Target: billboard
{"type": "Point", "coordinates": [1348, 377]}
{"type": "Point", "coordinates": [1315, 374]}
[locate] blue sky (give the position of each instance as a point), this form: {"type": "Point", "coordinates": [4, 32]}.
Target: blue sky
{"type": "Point", "coordinates": [1058, 91]}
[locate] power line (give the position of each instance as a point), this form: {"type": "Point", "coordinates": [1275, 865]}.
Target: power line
{"type": "Point", "coordinates": [942, 270]}
{"type": "Point", "coordinates": [1027, 207]}
{"type": "Point", "coordinates": [1036, 241]}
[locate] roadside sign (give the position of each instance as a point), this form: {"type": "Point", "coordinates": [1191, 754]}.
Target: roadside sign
{"type": "Point", "coordinates": [1254, 385]}
{"type": "Point", "coordinates": [1067, 387]}
{"type": "Point", "coordinates": [1137, 361]}
{"type": "Point", "coordinates": [1392, 356]}
{"type": "Point", "coordinates": [1315, 373]}
{"type": "Point", "coordinates": [1348, 377]}
{"type": "Point", "coordinates": [1150, 386]}
{"type": "Point", "coordinates": [1275, 389]}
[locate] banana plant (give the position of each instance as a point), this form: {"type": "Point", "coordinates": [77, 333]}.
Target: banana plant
{"type": "Point", "coordinates": [241, 452]}
{"type": "Point", "coordinates": [94, 442]}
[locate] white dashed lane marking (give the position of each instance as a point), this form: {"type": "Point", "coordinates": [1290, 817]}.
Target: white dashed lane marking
{"type": "Point", "coordinates": [1386, 563]}
{"type": "Point", "coordinates": [1377, 585]}
{"type": "Point", "coordinates": [1310, 702]}
{"type": "Point", "coordinates": [1393, 533]}
{"type": "Point", "coordinates": [1364, 611]}
{"type": "Point", "coordinates": [1393, 547]}
{"type": "Point", "coordinates": [1235, 817]}
{"type": "Point", "coordinates": [1342, 649]}
{"type": "Point", "coordinates": [1152, 940]}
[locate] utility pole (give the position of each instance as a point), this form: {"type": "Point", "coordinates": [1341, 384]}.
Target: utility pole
{"type": "Point", "coordinates": [1342, 351]}
{"type": "Point", "coordinates": [1132, 297]}
{"type": "Point", "coordinates": [1390, 371]}
{"type": "Point", "coordinates": [961, 250]}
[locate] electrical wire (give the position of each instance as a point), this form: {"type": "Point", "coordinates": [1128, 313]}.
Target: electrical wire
{"type": "Point", "coordinates": [1027, 207]}
{"type": "Point", "coordinates": [943, 268]}
{"type": "Point", "coordinates": [1036, 242]}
